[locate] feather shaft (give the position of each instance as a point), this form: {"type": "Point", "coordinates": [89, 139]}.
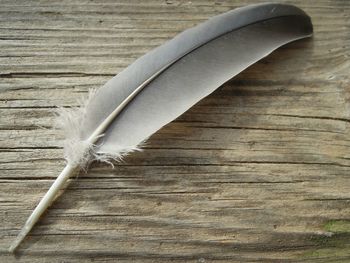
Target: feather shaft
{"type": "Point", "coordinates": [45, 202]}
{"type": "Point", "coordinates": [69, 170]}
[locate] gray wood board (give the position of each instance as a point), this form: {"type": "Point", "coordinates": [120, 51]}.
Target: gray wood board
{"type": "Point", "coordinates": [257, 171]}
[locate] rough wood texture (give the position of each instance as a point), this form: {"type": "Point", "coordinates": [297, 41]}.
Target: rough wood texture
{"type": "Point", "coordinates": [258, 171]}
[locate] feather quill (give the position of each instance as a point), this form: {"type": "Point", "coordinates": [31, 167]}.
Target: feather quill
{"type": "Point", "coordinates": [161, 85]}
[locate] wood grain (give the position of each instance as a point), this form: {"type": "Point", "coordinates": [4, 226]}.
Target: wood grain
{"type": "Point", "coordinates": [256, 172]}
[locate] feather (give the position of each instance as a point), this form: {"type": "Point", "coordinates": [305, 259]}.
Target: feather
{"type": "Point", "coordinates": [161, 85]}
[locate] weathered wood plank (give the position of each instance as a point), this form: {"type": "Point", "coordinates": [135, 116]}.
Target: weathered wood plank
{"type": "Point", "coordinates": [258, 171]}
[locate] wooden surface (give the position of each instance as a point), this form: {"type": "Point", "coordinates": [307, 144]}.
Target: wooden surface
{"type": "Point", "coordinates": [256, 172]}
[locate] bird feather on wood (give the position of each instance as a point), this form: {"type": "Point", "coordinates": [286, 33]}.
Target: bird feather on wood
{"type": "Point", "coordinates": [160, 86]}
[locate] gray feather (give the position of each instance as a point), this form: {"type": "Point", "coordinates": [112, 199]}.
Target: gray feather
{"type": "Point", "coordinates": [166, 82]}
